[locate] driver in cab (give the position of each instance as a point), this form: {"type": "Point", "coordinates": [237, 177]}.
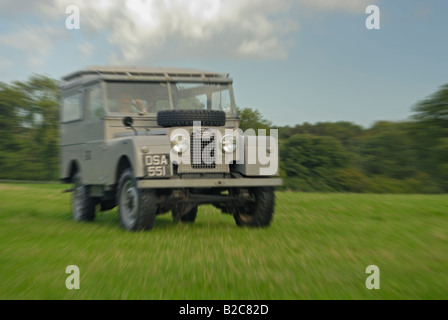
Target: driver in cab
{"type": "Point", "coordinates": [125, 104]}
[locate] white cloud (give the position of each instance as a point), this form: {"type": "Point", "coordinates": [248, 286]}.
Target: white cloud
{"type": "Point", "coordinates": [145, 31]}
{"type": "Point", "coordinates": [5, 63]}
{"type": "Point", "coordinates": [26, 40]}
{"type": "Point", "coordinates": [86, 49]}
{"type": "Point", "coordinates": [338, 5]}
{"type": "Point", "coordinates": [200, 28]}
{"type": "Point", "coordinates": [35, 42]}
{"type": "Point", "coordinates": [35, 61]}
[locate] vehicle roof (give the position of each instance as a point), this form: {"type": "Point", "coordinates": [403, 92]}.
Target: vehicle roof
{"type": "Point", "coordinates": [104, 72]}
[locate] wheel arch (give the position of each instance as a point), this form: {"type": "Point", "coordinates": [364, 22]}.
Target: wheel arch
{"type": "Point", "coordinates": [71, 170]}
{"type": "Point", "coordinates": [123, 164]}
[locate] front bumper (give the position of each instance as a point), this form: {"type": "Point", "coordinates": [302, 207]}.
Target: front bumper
{"type": "Point", "coordinates": [177, 183]}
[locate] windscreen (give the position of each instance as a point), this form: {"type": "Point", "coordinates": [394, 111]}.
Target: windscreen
{"type": "Point", "coordinates": [148, 98]}
{"type": "Point", "coordinates": [137, 97]}
{"type": "Point", "coordinates": [203, 96]}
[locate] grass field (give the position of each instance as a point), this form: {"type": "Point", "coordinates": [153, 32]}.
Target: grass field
{"type": "Point", "coordinates": [318, 247]}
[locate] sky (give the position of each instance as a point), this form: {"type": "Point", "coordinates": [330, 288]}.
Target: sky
{"type": "Point", "coordinates": [295, 61]}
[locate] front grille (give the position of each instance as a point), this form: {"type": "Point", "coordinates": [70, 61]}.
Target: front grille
{"type": "Point", "coordinates": [202, 154]}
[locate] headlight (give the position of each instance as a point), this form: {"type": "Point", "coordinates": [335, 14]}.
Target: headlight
{"type": "Point", "coordinates": [228, 143]}
{"type": "Point", "coordinates": [179, 143]}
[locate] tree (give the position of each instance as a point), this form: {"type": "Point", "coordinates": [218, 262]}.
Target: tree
{"type": "Point", "coordinates": [431, 135]}
{"type": "Point", "coordinates": [252, 119]}
{"type": "Point", "coordinates": [387, 149]}
{"type": "Point", "coordinates": [28, 129]}
{"type": "Point", "coordinates": [312, 161]}
{"type": "Point", "coordinates": [433, 111]}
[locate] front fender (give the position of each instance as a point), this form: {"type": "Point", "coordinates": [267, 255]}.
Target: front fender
{"type": "Point", "coordinates": [132, 148]}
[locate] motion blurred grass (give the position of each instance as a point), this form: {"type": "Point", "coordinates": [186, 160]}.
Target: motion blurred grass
{"type": "Point", "coordinates": [318, 247]}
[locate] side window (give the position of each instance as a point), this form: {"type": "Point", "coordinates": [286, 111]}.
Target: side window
{"type": "Point", "coordinates": [95, 103]}
{"type": "Point", "coordinates": [71, 108]}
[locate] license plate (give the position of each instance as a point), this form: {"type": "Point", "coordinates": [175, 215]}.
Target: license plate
{"type": "Point", "coordinates": [157, 166]}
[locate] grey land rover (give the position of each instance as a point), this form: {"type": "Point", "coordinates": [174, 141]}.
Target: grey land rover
{"type": "Point", "coordinates": [154, 140]}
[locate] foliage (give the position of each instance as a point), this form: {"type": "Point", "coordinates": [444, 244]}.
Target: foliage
{"type": "Point", "coordinates": [389, 157]}
{"type": "Point", "coordinates": [29, 129]}
{"type": "Point", "coordinates": [431, 135]}
{"type": "Point", "coordinates": [252, 119]}
{"type": "Point", "coordinates": [312, 159]}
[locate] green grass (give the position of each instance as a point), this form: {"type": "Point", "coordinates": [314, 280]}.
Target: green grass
{"type": "Point", "coordinates": [318, 247]}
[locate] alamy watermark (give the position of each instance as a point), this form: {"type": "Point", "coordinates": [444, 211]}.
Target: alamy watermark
{"type": "Point", "coordinates": [74, 18]}
{"type": "Point", "coordinates": [209, 146]}
{"type": "Point", "coordinates": [73, 21]}
{"type": "Point", "coordinates": [373, 281]}
{"type": "Point", "coordinates": [373, 20]}
{"type": "Point", "coordinates": [72, 281]}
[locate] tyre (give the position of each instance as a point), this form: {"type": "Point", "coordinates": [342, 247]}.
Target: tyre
{"type": "Point", "coordinates": [83, 206]}
{"type": "Point", "coordinates": [189, 217]}
{"type": "Point", "coordinates": [257, 213]}
{"type": "Point", "coordinates": [137, 207]}
{"type": "Point", "coordinates": [184, 118]}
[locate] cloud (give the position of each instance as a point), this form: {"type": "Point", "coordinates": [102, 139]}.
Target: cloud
{"type": "Point", "coordinates": [5, 63]}
{"type": "Point", "coordinates": [422, 12]}
{"type": "Point", "coordinates": [34, 42]}
{"type": "Point", "coordinates": [11, 9]}
{"type": "Point", "coordinates": [142, 30]}
{"type": "Point", "coordinates": [146, 31]}
{"type": "Point", "coordinates": [352, 6]}
{"type": "Point", "coordinates": [86, 49]}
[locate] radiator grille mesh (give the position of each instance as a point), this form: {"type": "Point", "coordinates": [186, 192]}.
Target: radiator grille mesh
{"type": "Point", "coordinates": [202, 154]}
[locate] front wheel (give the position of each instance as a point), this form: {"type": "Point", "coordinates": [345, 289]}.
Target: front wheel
{"type": "Point", "coordinates": [137, 207]}
{"type": "Point", "coordinates": [259, 211]}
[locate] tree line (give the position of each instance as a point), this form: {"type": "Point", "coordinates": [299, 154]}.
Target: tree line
{"type": "Point", "coordinates": [29, 138]}
{"type": "Point", "coordinates": [389, 157]}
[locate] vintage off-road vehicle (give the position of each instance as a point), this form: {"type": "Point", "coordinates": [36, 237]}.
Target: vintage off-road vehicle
{"type": "Point", "coordinates": [154, 140]}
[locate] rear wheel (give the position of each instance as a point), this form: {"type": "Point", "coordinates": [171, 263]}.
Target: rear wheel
{"type": "Point", "coordinates": [259, 212]}
{"type": "Point", "coordinates": [188, 217]}
{"type": "Point", "coordinates": [83, 205]}
{"type": "Point", "coordinates": [137, 207]}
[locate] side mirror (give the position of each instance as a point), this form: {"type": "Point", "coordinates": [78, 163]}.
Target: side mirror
{"type": "Point", "coordinates": [128, 122]}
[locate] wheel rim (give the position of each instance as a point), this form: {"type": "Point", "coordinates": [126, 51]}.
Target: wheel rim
{"type": "Point", "coordinates": [129, 203]}
{"type": "Point", "coordinates": [246, 213]}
